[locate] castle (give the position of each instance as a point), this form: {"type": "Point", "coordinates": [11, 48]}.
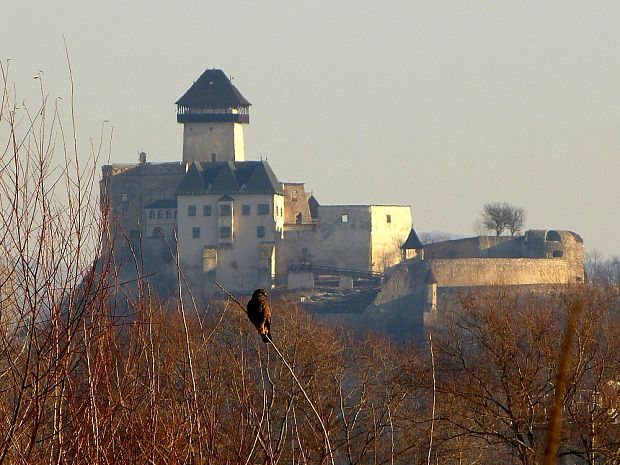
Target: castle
{"type": "Point", "coordinates": [222, 217]}
{"type": "Point", "coordinates": [214, 215]}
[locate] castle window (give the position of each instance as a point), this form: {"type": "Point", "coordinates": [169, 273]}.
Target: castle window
{"type": "Point", "coordinates": [168, 214]}
{"type": "Point", "coordinates": [195, 233]}
{"type": "Point", "coordinates": [388, 218]}
{"type": "Point", "coordinates": [191, 210]}
{"type": "Point", "coordinates": [245, 210]}
{"type": "Point", "coordinates": [160, 214]}
{"type": "Point", "coordinates": [225, 210]}
{"type": "Point", "coordinates": [344, 218]}
{"type": "Point", "coordinates": [124, 197]}
{"type": "Point", "coordinates": [206, 210]}
{"type": "Point", "coordinates": [260, 231]}
{"type": "Point", "coordinates": [263, 209]}
{"type": "Point", "coordinates": [558, 253]}
{"type": "Point", "coordinates": [152, 214]}
{"type": "Point", "coordinates": [225, 232]}
{"type": "Point", "coordinates": [294, 196]}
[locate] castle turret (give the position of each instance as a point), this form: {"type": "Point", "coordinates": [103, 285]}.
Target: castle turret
{"type": "Point", "coordinates": [212, 112]}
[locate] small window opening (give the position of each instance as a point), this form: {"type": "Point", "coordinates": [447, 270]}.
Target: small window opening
{"type": "Point", "coordinates": [344, 218]}
{"type": "Point", "coordinates": [225, 210]}
{"type": "Point", "coordinates": [388, 218]}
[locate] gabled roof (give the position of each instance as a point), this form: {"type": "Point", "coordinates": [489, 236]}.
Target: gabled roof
{"type": "Point", "coordinates": [413, 241]}
{"type": "Point", "coordinates": [313, 205]}
{"type": "Point", "coordinates": [430, 277]}
{"type": "Point", "coordinates": [163, 203]}
{"type": "Point", "coordinates": [225, 177]}
{"type": "Point", "coordinates": [213, 89]}
{"type": "Point", "coordinates": [192, 182]}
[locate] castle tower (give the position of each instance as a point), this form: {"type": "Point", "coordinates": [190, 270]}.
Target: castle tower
{"type": "Point", "coordinates": [212, 112]}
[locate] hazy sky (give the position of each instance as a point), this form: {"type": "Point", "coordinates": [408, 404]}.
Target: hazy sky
{"type": "Point", "coordinates": [441, 105]}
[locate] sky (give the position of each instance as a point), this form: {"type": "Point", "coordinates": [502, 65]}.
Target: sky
{"type": "Point", "coordinates": [441, 105]}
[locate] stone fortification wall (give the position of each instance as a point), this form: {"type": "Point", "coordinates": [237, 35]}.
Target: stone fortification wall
{"type": "Point", "coordinates": [500, 271]}
{"type": "Point", "coordinates": [476, 247]}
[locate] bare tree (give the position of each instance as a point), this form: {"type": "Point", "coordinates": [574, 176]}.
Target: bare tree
{"type": "Point", "coordinates": [501, 216]}
{"type": "Point", "coordinates": [515, 219]}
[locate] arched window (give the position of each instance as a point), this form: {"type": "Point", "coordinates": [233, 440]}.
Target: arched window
{"type": "Point", "coordinates": [151, 214]}
{"type": "Point", "coordinates": [160, 214]}
{"type": "Point", "coordinates": [168, 214]}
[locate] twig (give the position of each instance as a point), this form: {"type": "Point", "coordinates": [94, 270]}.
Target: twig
{"type": "Point", "coordinates": [430, 444]}
{"type": "Point", "coordinates": [329, 448]}
{"type": "Point", "coordinates": [555, 422]}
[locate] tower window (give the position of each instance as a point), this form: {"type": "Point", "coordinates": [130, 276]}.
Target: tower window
{"type": "Point", "coordinates": [195, 233]}
{"type": "Point", "coordinates": [263, 209]}
{"type": "Point", "coordinates": [225, 210]}
{"type": "Point", "coordinates": [294, 196]}
{"type": "Point", "coordinates": [260, 231]}
{"type": "Point", "coordinates": [206, 210]}
{"type": "Point", "coordinates": [344, 218]}
{"type": "Point", "coordinates": [191, 210]}
{"type": "Point", "coordinates": [388, 218]}
{"type": "Point", "coordinates": [245, 209]}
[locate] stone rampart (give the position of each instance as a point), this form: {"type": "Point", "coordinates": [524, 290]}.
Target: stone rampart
{"type": "Point", "coordinates": [500, 271]}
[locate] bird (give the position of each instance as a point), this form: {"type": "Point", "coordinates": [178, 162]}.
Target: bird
{"type": "Point", "coordinates": [259, 314]}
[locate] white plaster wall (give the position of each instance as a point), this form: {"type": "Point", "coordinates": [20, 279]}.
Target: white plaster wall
{"type": "Point", "coordinates": [388, 237]}
{"type": "Point", "coordinates": [239, 266]}
{"type": "Point", "coordinates": [343, 245]}
{"type": "Point", "coordinates": [200, 140]}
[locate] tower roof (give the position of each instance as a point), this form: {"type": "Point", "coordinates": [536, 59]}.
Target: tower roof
{"type": "Point", "coordinates": [413, 241]}
{"type": "Point", "coordinates": [213, 89]}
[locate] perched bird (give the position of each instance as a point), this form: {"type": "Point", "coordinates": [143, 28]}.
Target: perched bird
{"type": "Point", "coordinates": [259, 313]}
